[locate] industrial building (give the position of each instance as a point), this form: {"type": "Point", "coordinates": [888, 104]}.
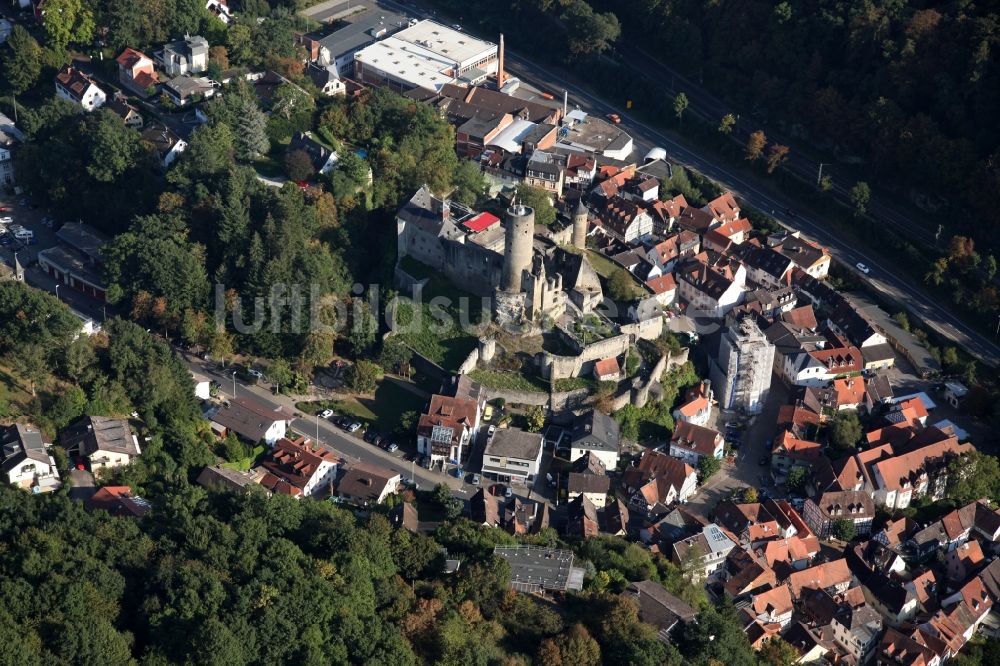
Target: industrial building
{"type": "Point", "coordinates": [741, 375]}
{"type": "Point", "coordinates": [426, 55]}
{"type": "Point", "coordinates": [355, 28]}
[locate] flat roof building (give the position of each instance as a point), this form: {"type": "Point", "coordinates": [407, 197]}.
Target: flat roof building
{"type": "Point", "coordinates": [426, 55]}
{"type": "Point", "coordinates": [533, 569]}
{"type": "Point", "coordinates": [354, 31]}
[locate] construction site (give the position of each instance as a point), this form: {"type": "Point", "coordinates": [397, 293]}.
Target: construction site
{"type": "Point", "coordinates": [741, 373]}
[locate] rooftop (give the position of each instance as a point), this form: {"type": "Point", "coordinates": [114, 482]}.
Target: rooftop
{"type": "Point", "coordinates": [442, 40]}
{"type": "Point", "coordinates": [514, 443]}
{"type": "Point", "coordinates": [533, 568]}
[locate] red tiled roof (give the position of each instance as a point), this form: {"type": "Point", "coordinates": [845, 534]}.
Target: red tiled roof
{"type": "Point", "coordinates": [841, 360]}
{"type": "Point", "coordinates": [695, 437]}
{"type": "Point", "coordinates": [129, 57]}
{"type": "Point", "coordinates": [734, 228]}
{"type": "Point", "coordinates": [662, 284]}
{"type": "Point", "coordinates": [801, 317]}
{"type": "Point", "coordinates": [850, 391]}
{"type": "Point", "coordinates": [900, 471]}
{"type": "Point", "coordinates": [820, 577]}
{"type": "Point", "coordinates": [607, 367]}
{"type": "Point", "coordinates": [118, 500]}
{"type": "Point", "coordinates": [724, 207]}
{"type": "Point", "coordinates": [296, 461]}
{"type": "Point", "coordinates": [777, 600]}
{"type": "Point", "coordinates": [800, 449]}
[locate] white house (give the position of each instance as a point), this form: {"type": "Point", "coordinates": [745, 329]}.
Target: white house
{"type": "Point", "coordinates": [447, 427]}
{"type": "Point", "coordinates": [597, 433]}
{"type": "Point", "coordinates": [691, 443]}
{"type": "Point", "coordinates": [202, 385]}
{"type": "Point", "coordinates": [708, 291]}
{"type": "Point", "coordinates": [773, 606]}
{"type": "Point", "coordinates": [77, 87]}
{"type": "Point", "coordinates": [513, 455]}
{"type": "Point", "coordinates": [247, 418]}
{"type": "Point", "coordinates": [26, 460]}
{"type": "Point", "coordinates": [954, 393]}
{"type": "Point", "coordinates": [697, 407]}
{"type": "Point", "coordinates": [297, 468]}
{"type": "Point", "coordinates": [103, 442]}
{"type": "Point", "coordinates": [367, 485]}
{"type": "Point", "coordinates": [188, 55]}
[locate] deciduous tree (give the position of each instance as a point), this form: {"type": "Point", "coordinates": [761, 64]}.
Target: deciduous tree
{"type": "Point", "coordinates": [68, 21]}
{"type": "Point", "coordinates": [776, 156]}
{"type": "Point", "coordinates": [860, 196]}
{"type": "Point", "coordinates": [727, 124]}
{"type": "Point", "coordinates": [22, 62]}
{"type": "Point", "coordinates": [680, 104]}
{"type": "Point", "coordinates": [755, 146]}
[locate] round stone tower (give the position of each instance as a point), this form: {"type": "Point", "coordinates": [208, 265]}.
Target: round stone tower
{"type": "Point", "coordinates": [517, 246]}
{"type": "Point", "coordinates": [581, 219]}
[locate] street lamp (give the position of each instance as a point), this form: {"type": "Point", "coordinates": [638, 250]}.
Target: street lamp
{"type": "Point", "coordinates": [57, 291]}
{"type": "Point", "coordinates": [234, 383]}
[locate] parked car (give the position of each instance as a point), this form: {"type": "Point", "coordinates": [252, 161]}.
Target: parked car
{"type": "Point", "coordinates": [256, 373]}
{"type": "Point", "coordinates": [370, 436]}
{"type": "Point", "coordinates": [615, 118]}
{"type": "Point", "coordinates": [509, 492]}
{"type": "Point", "coordinates": [492, 429]}
{"type": "Point", "coordinates": [326, 413]}
{"type": "Point", "coordinates": [392, 448]}
{"type": "Point", "coordinates": [6, 220]}
{"type": "Point", "coordinates": [353, 426]}
{"type": "Point", "coordinates": [341, 422]}
{"type": "Point", "coordinates": [863, 268]}
{"type": "Point", "coordinates": [475, 479]}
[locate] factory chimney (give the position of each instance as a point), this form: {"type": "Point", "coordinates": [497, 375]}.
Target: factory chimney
{"type": "Point", "coordinates": [500, 72]}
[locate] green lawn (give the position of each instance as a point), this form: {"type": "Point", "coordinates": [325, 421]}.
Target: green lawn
{"type": "Point", "coordinates": [439, 334]}
{"type": "Point", "coordinates": [13, 398]}
{"type": "Point", "coordinates": [574, 383]}
{"type": "Point", "coordinates": [383, 409]}
{"type": "Point", "coordinates": [604, 266]}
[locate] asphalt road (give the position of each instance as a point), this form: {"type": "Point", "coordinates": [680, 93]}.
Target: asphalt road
{"type": "Point", "coordinates": [803, 160]}
{"type": "Point", "coordinates": [345, 445]}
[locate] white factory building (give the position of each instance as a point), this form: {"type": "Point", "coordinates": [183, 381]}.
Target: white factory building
{"type": "Point", "coordinates": [426, 55]}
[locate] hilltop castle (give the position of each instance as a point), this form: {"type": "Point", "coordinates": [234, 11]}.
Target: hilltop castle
{"type": "Point", "coordinates": [529, 277]}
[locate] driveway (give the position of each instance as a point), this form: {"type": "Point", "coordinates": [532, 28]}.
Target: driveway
{"type": "Point", "coordinates": [82, 482]}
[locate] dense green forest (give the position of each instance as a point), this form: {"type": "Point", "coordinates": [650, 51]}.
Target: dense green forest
{"type": "Point", "coordinates": [244, 579]}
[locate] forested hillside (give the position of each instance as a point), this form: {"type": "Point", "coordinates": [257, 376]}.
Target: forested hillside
{"type": "Point", "coordinates": [224, 579]}
{"type": "Point", "coordinates": [911, 88]}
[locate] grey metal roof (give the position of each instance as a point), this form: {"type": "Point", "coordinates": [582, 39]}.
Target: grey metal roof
{"type": "Point", "coordinates": [355, 31]}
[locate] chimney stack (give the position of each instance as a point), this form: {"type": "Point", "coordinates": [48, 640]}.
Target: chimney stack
{"type": "Point", "coordinates": [500, 72]}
